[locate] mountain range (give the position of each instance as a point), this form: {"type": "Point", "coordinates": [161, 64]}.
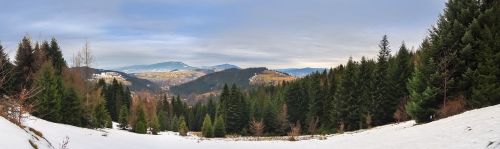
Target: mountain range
{"type": "Point", "coordinates": [300, 72]}
{"type": "Point", "coordinates": [171, 66]}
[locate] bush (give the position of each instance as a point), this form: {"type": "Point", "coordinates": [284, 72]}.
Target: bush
{"type": "Point", "coordinates": [140, 127]}
{"type": "Point", "coordinates": [206, 129]}
{"type": "Point", "coordinates": [155, 125]}
{"type": "Point", "coordinates": [183, 129]}
{"type": "Point", "coordinates": [219, 128]}
{"type": "Point", "coordinates": [452, 107]}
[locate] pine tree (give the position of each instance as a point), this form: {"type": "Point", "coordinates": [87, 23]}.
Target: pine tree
{"type": "Point", "coordinates": [219, 128]}
{"type": "Point", "coordinates": [207, 129]}
{"type": "Point", "coordinates": [123, 118]}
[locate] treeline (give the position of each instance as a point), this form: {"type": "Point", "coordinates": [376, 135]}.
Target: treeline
{"type": "Point", "coordinates": [455, 69]}
{"type": "Point", "coordinates": [41, 79]}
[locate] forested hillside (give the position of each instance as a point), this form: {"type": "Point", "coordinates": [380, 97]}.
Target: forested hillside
{"type": "Point", "coordinates": [455, 69]}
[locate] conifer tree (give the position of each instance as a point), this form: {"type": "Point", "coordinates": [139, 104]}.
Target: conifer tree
{"type": "Point", "coordinates": [6, 72]}
{"type": "Point", "coordinates": [154, 125]}
{"type": "Point", "coordinates": [219, 128]}
{"type": "Point", "coordinates": [385, 102]}
{"type": "Point", "coordinates": [207, 129]}
{"type": "Point", "coordinates": [48, 101]}
{"type": "Point", "coordinates": [55, 56]}
{"type": "Point", "coordinates": [345, 103]}
{"type": "Point", "coordinates": [141, 123]}
{"type": "Point", "coordinates": [123, 118]}
{"type": "Point", "coordinates": [71, 108]}
{"type": "Point", "coordinates": [25, 68]}
{"type": "Point", "coordinates": [485, 88]}
{"type": "Point", "coordinates": [183, 128]}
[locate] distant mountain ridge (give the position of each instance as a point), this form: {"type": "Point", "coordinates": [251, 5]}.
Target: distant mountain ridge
{"type": "Point", "coordinates": [300, 72]}
{"type": "Point", "coordinates": [172, 66]}
{"type": "Point", "coordinates": [136, 84]}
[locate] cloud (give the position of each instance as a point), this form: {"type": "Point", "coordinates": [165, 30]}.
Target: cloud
{"type": "Point", "coordinates": [272, 33]}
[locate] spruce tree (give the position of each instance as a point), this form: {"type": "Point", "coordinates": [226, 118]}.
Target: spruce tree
{"type": "Point", "coordinates": [347, 112]}
{"type": "Point", "coordinates": [183, 128]}
{"type": "Point", "coordinates": [207, 129]}
{"type": "Point", "coordinates": [154, 125]}
{"type": "Point", "coordinates": [385, 101]}
{"type": "Point", "coordinates": [48, 101]}
{"type": "Point", "coordinates": [485, 88]}
{"type": "Point", "coordinates": [123, 118]}
{"type": "Point", "coordinates": [55, 55]}
{"type": "Point", "coordinates": [219, 128]}
{"type": "Point", "coordinates": [25, 68]}
{"type": "Point", "coordinates": [71, 108]}
{"type": "Point", "coordinates": [141, 123]}
{"type": "Point", "coordinates": [6, 73]}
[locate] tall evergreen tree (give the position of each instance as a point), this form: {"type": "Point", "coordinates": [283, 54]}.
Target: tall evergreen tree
{"type": "Point", "coordinates": [25, 68]}
{"type": "Point", "coordinates": [346, 101]}
{"type": "Point", "coordinates": [48, 101]}
{"type": "Point", "coordinates": [71, 108]}
{"type": "Point", "coordinates": [385, 101]}
{"type": "Point", "coordinates": [207, 129]}
{"type": "Point", "coordinates": [6, 71]}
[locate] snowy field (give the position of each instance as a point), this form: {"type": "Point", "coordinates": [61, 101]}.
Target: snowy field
{"type": "Point", "coordinates": [476, 129]}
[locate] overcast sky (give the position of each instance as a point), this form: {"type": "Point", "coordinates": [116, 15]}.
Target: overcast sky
{"type": "Point", "coordinates": [248, 33]}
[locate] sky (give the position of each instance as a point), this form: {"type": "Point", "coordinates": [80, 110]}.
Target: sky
{"type": "Point", "coordinates": [247, 33]}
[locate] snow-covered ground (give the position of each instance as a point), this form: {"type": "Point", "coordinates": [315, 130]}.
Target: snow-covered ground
{"type": "Point", "coordinates": [476, 129]}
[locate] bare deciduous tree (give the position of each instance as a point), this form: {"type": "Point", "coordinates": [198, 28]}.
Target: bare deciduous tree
{"type": "Point", "coordinates": [257, 127]}
{"type": "Point", "coordinates": [313, 124]}
{"type": "Point", "coordinates": [294, 131]}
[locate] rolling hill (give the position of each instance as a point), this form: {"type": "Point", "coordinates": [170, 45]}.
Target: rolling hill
{"type": "Point", "coordinates": [475, 129]}
{"type": "Point", "coordinates": [215, 81]}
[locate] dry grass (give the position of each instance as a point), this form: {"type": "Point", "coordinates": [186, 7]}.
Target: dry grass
{"type": "Point", "coordinates": [452, 107]}
{"type": "Point", "coordinates": [270, 77]}
{"type": "Point", "coordinates": [36, 132]}
{"type": "Point", "coordinates": [33, 144]}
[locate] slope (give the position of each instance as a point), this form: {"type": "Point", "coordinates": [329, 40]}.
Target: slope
{"type": "Point", "coordinates": [473, 129]}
